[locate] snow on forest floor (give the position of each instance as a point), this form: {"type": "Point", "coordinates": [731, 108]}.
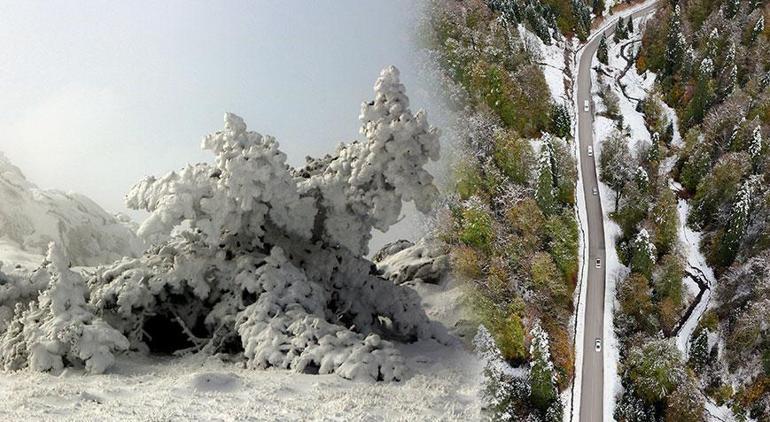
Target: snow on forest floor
{"type": "Point", "coordinates": [442, 387]}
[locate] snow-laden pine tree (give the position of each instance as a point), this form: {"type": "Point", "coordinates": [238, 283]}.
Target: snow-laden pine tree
{"type": "Point", "coordinates": [60, 326]}
{"type": "Point", "coordinates": [755, 142]}
{"type": "Point", "coordinates": [253, 256]}
{"type": "Point", "coordinates": [675, 44]}
{"type": "Point", "coordinates": [543, 394]}
{"type": "Point", "coordinates": [503, 392]}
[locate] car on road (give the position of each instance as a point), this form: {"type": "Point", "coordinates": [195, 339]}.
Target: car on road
{"type": "Point", "coordinates": [590, 151]}
{"type": "Point", "coordinates": [595, 191]}
{"type": "Point", "coordinates": [586, 106]}
{"type": "Point", "coordinates": [598, 344]}
{"type": "Point", "coordinates": [598, 262]}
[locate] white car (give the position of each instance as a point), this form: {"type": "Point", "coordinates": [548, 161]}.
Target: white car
{"type": "Point", "coordinates": [595, 191]}
{"type": "Point", "coordinates": [598, 344]}
{"type": "Point", "coordinates": [586, 106]}
{"type": "Point", "coordinates": [590, 151]}
{"type": "Point", "coordinates": [598, 263]}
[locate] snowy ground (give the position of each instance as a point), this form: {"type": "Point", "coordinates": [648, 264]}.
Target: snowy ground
{"type": "Point", "coordinates": [443, 387]}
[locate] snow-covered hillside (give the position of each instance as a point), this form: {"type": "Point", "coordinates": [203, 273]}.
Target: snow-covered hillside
{"type": "Point", "coordinates": [30, 218]}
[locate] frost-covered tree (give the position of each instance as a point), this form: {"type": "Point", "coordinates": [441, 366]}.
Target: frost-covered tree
{"type": "Point", "coordinates": [252, 256]}
{"type": "Point", "coordinates": [60, 327]}
{"type": "Point", "coordinates": [665, 218]}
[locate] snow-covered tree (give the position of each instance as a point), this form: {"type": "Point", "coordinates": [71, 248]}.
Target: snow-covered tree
{"type": "Point", "coordinates": [503, 390]}
{"type": "Point", "coordinates": [543, 392]}
{"type": "Point", "coordinates": [755, 142]}
{"type": "Point", "coordinates": [60, 327]}
{"type": "Point", "coordinates": [741, 209]}
{"type": "Point", "coordinates": [676, 43]}
{"type": "Point", "coordinates": [250, 255]}
{"type": "Point", "coordinates": [655, 369]}
{"type": "Point", "coordinates": [643, 253]}
{"type": "Point", "coordinates": [561, 123]}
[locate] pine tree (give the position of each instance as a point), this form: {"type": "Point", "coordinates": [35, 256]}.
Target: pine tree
{"type": "Point", "coordinates": [699, 350]}
{"type": "Point", "coordinates": [620, 31]}
{"type": "Point", "coordinates": [630, 26]}
{"type": "Point", "coordinates": [755, 145]}
{"type": "Point", "coordinates": [501, 392]}
{"type": "Point", "coordinates": [542, 376]}
{"type": "Point", "coordinates": [675, 43]}
{"type": "Point", "coordinates": [741, 209]}
{"type": "Point", "coordinates": [546, 181]}
{"type": "Point", "coordinates": [643, 254]}
{"type": "Point", "coordinates": [601, 52]}
{"type": "Point", "coordinates": [759, 27]}
{"type": "Point", "coordinates": [666, 219]}
{"type": "Point", "coordinates": [731, 8]}
{"type": "Point", "coordinates": [561, 123]}
{"type": "Point", "coordinates": [598, 7]}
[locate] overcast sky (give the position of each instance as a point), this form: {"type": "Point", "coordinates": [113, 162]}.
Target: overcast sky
{"type": "Point", "coordinates": [95, 95]}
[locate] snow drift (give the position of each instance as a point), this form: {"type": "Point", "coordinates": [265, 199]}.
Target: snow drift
{"type": "Point", "coordinates": [30, 218]}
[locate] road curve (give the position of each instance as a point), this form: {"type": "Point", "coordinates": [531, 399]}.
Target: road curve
{"type": "Point", "coordinates": [592, 388]}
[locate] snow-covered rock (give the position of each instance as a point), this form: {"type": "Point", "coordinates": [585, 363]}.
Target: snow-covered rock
{"type": "Point", "coordinates": [30, 218]}
{"type": "Point", "coordinates": [402, 261]}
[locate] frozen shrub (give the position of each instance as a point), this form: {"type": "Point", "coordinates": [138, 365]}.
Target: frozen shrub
{"type": "Point", "coordinates": [60, 327]}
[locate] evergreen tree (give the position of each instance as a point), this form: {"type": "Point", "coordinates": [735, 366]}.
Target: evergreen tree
{"type": "Point", "coordinates": [755, 143]}
{"type": "Point", "coordinates": [630, 26]}
{"type": "Point", "coordinates": [699, 350]}
{"type": "Point", "coordinates": [598, 7]}
{"type": "Point", "coordinates": [759, 27]}
{"type": "Point", "coordinates": [675, 43]}
{"type": "Point", "coordinates": [546, 181]}
{"type": "Point", "coordinates": [601, 52]}
{"type": "Point", "coordinates": [741, 209]}
{"type": "Point", "coordinates": [620, 31]}
{"type": "Point", "coordinates": [502, 393]}
{"type": "Point", "coordinates": [731, 8]}
{"type": "Point", "coordinates": [561, 123]}
{"type": "Point", "coordinates": [542, 376]}
{"type": "Point", "coordinates": [643, 254]}
{"type": "Point", "coordinates": [666, 220]}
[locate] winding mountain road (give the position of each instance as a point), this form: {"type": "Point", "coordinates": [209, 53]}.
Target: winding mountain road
{"type": "Point", "coordinates": [592, 380]}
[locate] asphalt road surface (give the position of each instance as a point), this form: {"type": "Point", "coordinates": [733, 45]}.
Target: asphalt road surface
{"type": "Point", "coordinates": [592, 389]}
